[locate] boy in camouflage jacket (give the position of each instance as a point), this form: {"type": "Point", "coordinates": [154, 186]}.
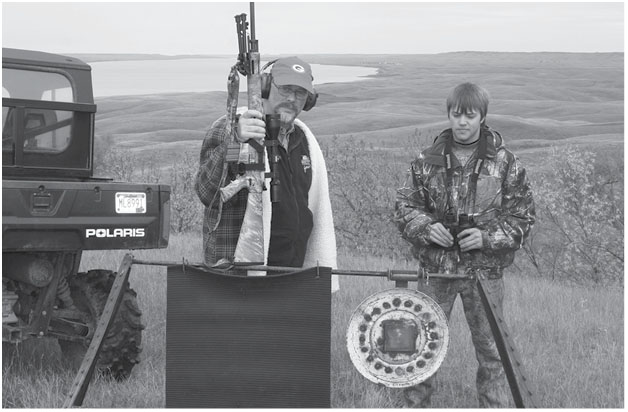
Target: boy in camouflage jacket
{"type": "Point", "coordinates": [468, 209]}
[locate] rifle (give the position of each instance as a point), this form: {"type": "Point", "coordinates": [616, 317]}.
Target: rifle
{"type": "Point", "coordinates": [250, 246]}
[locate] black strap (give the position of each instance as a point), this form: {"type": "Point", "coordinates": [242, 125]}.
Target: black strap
{"type": "Point", "coordinates": [449, 171]}
{"type": "Point", "coordinates": [477, 169]}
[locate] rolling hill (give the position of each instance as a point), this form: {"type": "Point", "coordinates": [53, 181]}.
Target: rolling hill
{"type": "Point", "coordinates": [538, 99]}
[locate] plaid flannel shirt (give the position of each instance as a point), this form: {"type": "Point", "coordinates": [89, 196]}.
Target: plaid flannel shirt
{"type": "Point", "coordinates": [219, 240]}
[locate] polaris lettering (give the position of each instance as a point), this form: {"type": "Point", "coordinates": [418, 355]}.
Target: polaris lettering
{"type": "Point", "coordinates": [118, 232]}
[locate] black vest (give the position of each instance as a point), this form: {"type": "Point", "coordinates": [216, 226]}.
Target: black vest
{"type": "Point", "coordinates": [292, 221]}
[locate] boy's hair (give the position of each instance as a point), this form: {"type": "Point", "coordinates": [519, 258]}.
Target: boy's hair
{"type": "Point", "coordinates": [466, 97]}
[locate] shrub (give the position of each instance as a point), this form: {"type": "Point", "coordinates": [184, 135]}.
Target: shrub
{"type": "Point", "coordinates": [363, 183]}
{"type": "Point", "coordinates": [186, 208]}
{"type": "Point", "coordinates": [580, 218]}
{"type": "Point", "coordinates": [126, 166]}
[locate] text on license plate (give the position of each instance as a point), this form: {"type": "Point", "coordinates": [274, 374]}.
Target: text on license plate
{"type": "Point", "coordinates": [128, 202]}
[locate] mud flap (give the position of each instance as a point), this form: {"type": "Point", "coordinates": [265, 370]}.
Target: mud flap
{"type": "Point", "coordinates": [234, 341]}
{"type": "Point", "coordinates": [521, 393]}
{"type": "Point", "coordinates": [86, 370]}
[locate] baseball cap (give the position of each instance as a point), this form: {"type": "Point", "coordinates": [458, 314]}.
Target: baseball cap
{"type": "Point", "coordinates": [292, 71]}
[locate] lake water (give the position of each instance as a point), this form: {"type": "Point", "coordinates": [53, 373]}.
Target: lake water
{"type": "Point", "coordinates": [116, 78]}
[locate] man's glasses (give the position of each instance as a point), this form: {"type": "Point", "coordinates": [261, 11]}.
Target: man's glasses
{"type": "Point", "coordinates": [286, 91]}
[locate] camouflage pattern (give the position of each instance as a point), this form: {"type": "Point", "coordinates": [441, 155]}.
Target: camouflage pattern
{"type": "Point", "coordinates": [491, 382]}
{"type": "Point", "coordinates": [503, 211]}
{"type": "Point", "coordinates": [504, 207]}
{"type": "Point", "coordinates": [250, 247]}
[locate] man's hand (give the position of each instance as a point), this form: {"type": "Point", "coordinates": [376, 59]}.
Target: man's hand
{"type": "Point", "coordinates": [440, 235]}
{"type": "Point", "coordinates": [251, 126]}
{"type": "Point", "coordinates": [470, 239]}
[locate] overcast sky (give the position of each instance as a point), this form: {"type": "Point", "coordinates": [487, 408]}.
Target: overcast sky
{"type": "Point", "coordinates": [313, 27]}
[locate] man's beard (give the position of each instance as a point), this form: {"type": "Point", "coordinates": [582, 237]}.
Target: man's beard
{"type": "Point", "coordinates": [288, 115]}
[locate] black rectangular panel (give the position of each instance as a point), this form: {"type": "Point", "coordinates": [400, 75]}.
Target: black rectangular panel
{"type": "Point", "coordinates": [254, 342]}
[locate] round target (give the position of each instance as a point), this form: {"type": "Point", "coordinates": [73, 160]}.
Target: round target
{"type": "Point", "coordinates": [398, 337]}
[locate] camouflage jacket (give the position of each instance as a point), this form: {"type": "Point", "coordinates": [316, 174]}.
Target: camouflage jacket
{"type": "Point", "coordinates": [503, 211]}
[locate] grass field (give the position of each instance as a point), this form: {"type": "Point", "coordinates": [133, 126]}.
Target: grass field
{"type": "Point", "coordinates": [570, 339]}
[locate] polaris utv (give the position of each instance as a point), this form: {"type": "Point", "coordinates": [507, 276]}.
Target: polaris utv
{"type": "Point", "coordinates": [53, 209]}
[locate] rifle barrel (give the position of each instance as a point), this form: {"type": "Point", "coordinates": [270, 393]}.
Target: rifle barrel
{"type": "Point", "coordinates": [252, 4]}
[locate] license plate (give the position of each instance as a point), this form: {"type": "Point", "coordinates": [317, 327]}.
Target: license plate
{"type": "Point", "coordinates": [130, 202]}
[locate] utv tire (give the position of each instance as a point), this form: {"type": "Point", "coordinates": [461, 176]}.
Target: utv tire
{"type": "Point", "coordinates": [122, 344]}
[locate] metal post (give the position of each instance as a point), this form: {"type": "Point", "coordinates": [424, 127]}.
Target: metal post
{"type": "Point", "coordinates": [521, 393]}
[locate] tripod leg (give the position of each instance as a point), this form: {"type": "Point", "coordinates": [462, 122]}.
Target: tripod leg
{"type": "Point", "coordinates": [521, 393]}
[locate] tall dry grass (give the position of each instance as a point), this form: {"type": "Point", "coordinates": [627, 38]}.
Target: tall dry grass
{"type": "Point", "coordinates": [570, 339]}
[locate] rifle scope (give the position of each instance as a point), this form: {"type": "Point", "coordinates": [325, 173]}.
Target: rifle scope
{"type": "Point", "coordinates": [273, 124]}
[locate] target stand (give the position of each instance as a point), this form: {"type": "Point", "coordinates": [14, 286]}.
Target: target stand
{"type": "Point", "coordinates": [396, 338]}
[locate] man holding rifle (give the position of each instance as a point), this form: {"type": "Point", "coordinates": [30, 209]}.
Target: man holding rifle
{"type": "Point", "coordinates": [467, 211]}
{"type": "Point", "coordinates": [301, 224]}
